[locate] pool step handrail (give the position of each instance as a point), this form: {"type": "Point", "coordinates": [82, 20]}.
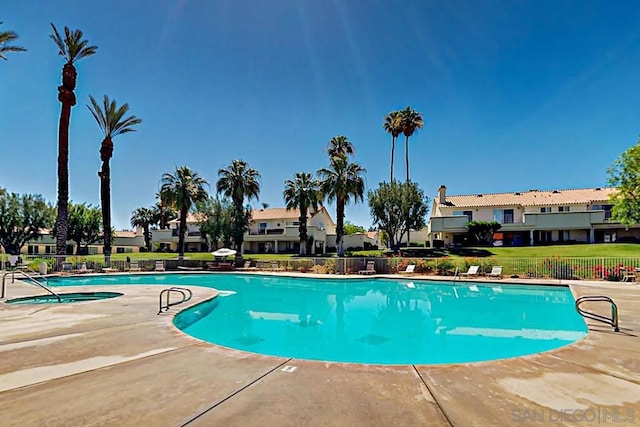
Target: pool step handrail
{"type": "Point", "coordinates": [613, 321]}
{"type": "Point", "coordinates": [32, 280]}
{"type": "Point", "coordinates": [456, 274]}
{"type": "Point", "coordinates": [185, 293]}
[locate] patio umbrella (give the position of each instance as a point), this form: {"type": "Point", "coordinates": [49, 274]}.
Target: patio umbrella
{"type": "Point", "coordinates": [224, 252]}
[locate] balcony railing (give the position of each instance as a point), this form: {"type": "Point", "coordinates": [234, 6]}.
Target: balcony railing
{"type": "Point", "coordinates": [176, 233]}
{"type": "Point", "coordinates": [266, 231]}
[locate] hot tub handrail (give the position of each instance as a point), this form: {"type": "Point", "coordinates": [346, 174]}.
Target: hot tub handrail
{"type": "Point", "coordinates": [167, 291]}
{"type": "Point", "coordinates": [31, 278]}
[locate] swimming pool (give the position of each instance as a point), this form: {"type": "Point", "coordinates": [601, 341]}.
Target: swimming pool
{"type": "Point", "coordinates": [375, 321]}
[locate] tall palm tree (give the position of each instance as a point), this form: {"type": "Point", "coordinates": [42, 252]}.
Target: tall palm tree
{"type": "Point", "coordinates": [393, 127]}
{"type": "Point", "coordinates": [182, 191]}
{"type": "Point", "coordinates": [7, 37]}
{"type": "Point", "coordinates": [302, 193]}
{"type": "Point", "coordinates": [112, 122]}
{"type": "Point", "coordinates": [341, 182]}
{"type": "Point", "coordinates": [238, 181]}
{"type": "Point", "coordinates": [144, 217]}
{"type": "Point", "coordinates": [340, 146]}
{"type": "Point", "coordinates": [410, 121]}
{"type": "Point", "coordinates": [72, 48]}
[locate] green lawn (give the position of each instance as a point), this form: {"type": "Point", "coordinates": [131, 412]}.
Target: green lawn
{"type": "Point", "coordinates": [572, 251]}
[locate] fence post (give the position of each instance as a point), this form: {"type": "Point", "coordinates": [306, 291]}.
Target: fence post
{"type": "Point", "coordinates": [602, 269]}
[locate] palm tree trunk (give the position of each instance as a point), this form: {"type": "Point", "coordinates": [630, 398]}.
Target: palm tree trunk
{"type": "Point", "coordinates": [302, 228]}
{"type": "Point", "coordinates": [106, 151]}
{"type": "Point", "coordinates": [406, 153]}
{"type": "Point", "coordinates": [393, 149]}
{"type": "Point", "coordinates": [105, 204]}
{"type": "Point", "coordinates": [147, 237]}
{"type": "Point", "coordinates": [63, 180]}
{"type": "Point", "coordinates": [68, 99]}
{"type": "Point", "coordinates": [406, 150]}
{"type": "Point", "coordinates": [339, 226]}
{"type": "Point", "coordinates": [182, 232]}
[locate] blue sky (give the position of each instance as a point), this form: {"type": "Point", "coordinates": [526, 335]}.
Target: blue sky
{"type": "Point", "coordinates": [515, 94]}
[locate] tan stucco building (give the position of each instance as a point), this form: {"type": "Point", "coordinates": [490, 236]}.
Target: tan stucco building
{"type": "Point", "coordinates": [530, 217]}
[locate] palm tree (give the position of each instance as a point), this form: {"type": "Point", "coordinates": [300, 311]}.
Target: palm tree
{"type": "Point", "coordinates": [340, 146]}
{"type": "Point", "coordinates": [302, 193]}
{"type": "Point", "coordinates": [341, 182]}
{"type": "Point", "coordinates": [238, 181]}
{"type": "Point", "coordinates": [144, 217]}
{"type": "Point", "coordinates": [410, 121]}
{"type": "Point", "coordinates": [182, 191]}
{"type": "Point", "coordinates": [71, 48]}
{"type": "Point", "coordinates": [6, 37]}
{"type": "Point", "coordinates": [393, 126]}
{"type": "Point", "coordinates": [112, 122]}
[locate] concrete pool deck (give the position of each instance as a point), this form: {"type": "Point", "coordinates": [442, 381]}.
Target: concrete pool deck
{"type": "Point", "coordinates": [115, 362]}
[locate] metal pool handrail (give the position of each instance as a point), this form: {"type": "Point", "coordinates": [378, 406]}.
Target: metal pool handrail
{"type": "Point", "coordinates": [176, 289]}
{"type": "Point", "coordinates": [613, 321]}
{"type": "Point", "coordinates": [31, 278]}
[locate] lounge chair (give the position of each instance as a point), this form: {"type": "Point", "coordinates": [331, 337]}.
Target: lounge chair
{"type": "Point", "coordinates": [496, 272]}
{"type": "Point", "coordinates": [159, 266]}
{"type": "Point", "coordinates": [472, 272]}
{"type": "Point", "coordinates": [133, 266]}
{"type": "Point", "coordinates": [247, 267]}
{"type": "Point", "coordinates": [67, 268]}
{"type": "Point", "coordinates": [628, 275]}
{"type": "Point", "coordinates": [83, 269]}
{"type": "Point", "coordinates": [411, 268]}
{"type": "Point", "coordinates": [276, 267]}
{"type": "Point", "coordinates": [369, 269]}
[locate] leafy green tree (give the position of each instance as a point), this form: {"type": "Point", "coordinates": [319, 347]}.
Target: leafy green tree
{"type": "Point", "coordinates": [239, 182]}
{"type": "Point", "coordinates": [351, 228]}
{"type": "Point", "coordinates": [340, 146]}
{"type": "Point", "coordinates": [112, 121]}
{"type": "Point", "coordinates": [625, 175]}
{"type": "Point", "coordinates": [181, 191]}
{"type": "Point", "coordinates": [216, 221]}
{"type": "Point", "coordinates": [392, 124]}
{"type": "Point", "coordinates": [5, 38]}
{"type": "Point", "coordinates": [144, 218]}
{"type": "Point", "coordinates": [483, 231]}
{"type": "Point", "coordinates": [72, 48]}
{"type": "Point", "coordinates": [85, 225]}
{"type": "Point", "coordinates": [23, 217]}
{"type": "Point", "coordinates": [410, 121]}
{"type": "Point", "coordinates": [342, 181]}
{"type": "Point", "coordinates": [302, 193]}
{"type": "Point", "coordinates": [396, 208]}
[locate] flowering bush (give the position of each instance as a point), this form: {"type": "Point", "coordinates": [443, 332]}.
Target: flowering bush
{"type": "Point", "coordinates": [558, 269]}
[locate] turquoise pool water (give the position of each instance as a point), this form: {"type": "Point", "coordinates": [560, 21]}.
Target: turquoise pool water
{"type": "Point", "coordinates": [376, 321]}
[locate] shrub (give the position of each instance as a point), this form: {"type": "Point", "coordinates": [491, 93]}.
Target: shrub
{"type": "Point", "coordinates": [558, 269]}
{"type": "Point", "coordinates": [445, 265]}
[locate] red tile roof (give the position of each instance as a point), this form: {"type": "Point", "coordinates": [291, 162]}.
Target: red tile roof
{"type": "Point", "coordinates": [533, 198]}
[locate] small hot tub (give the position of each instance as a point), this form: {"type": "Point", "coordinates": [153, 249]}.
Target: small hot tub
{"type": "Point", "coordinates": [64, 298]}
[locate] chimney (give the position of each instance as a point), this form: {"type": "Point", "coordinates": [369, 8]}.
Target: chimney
{"type": "Point", "coordinates": [442, 195]}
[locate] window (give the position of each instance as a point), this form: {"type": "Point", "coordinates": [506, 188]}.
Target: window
{"type": "Point", "coordinates": [119, 250]}
{"type": "Point", "coordinates": [565, 236]}
{"type": "Point", "coordinates": [605, 208]}
{"type": "Point", "coordinates": [503, 216]}
{"type": "Point", "coordinates": [32, 249]}
{"type": "Point", "coordinates": [468, 214]}
{"type": "Point", "coordinates": [563, 208]}
{"type": "Point", "coordinates": [546, 209]}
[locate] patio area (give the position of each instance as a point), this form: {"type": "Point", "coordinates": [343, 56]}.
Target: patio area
{"type": "Point", "coordinates": [115, 362]}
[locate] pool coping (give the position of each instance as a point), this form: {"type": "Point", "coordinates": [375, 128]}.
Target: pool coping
{"type": "Point", "coordinates": [509, 383]}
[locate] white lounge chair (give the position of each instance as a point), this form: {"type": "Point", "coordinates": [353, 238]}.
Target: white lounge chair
{"type": "Point", "coordinates": [369, 269]}
{"type": "Point", "coordinates": [133, 266]}
{"type": "Point", "coordinates": [159, 266]}
{"type": "Point", "coordinates": [411, 268]}
{"type": "Point", "coordinates": [496, 272]}
{"type": "Point", "coordinates": [472, 272]}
